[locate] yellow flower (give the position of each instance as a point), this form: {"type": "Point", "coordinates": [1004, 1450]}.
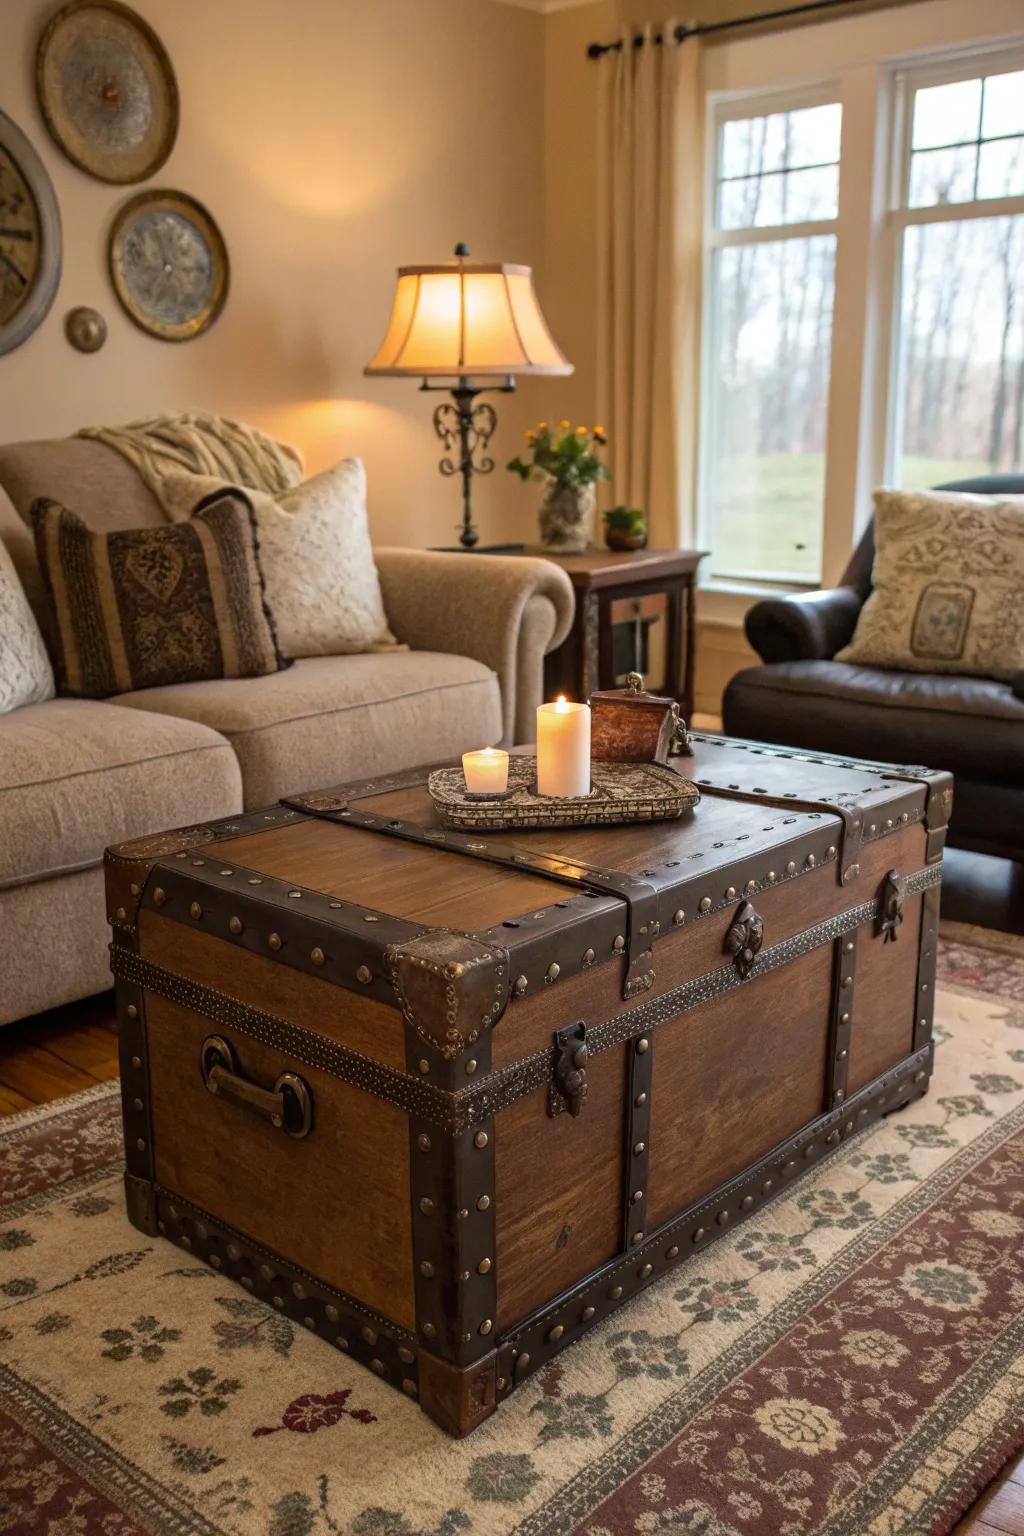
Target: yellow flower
{"type": "Point", "coordinates": [531, 437]}
{"type": "Point", "coordinates": [599, 431]}
{"type": "Point", "coordinates": [564, 426]}
{"type": "Point", "coordinates": [581, 431]}
{"type": "Point", "coordinates": [542, 426]}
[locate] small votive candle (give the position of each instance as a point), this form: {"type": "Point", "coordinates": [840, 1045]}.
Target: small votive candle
{"type": "Point", "coordinates": [563, 749]}
{"type": "Point", "coordinates": [486, 771]}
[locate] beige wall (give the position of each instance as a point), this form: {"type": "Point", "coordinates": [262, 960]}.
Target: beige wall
{"type": "Point", "coordinates": [332, 140]}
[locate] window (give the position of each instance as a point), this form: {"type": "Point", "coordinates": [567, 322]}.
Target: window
{"type": "Point", "coordinates": [770, 267]}
{"type": "Point", "coordinates": [959, 386]}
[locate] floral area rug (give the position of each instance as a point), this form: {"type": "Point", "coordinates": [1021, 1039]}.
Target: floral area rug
{"type": "Point", "coordinates": [849, 1363]}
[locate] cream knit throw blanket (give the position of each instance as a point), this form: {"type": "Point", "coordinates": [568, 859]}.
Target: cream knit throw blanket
{"type": "Point", "coordinates": [164, 449]}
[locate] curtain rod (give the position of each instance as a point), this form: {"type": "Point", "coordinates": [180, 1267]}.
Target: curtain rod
{"type": "Point", "coordinates": [703, 29]}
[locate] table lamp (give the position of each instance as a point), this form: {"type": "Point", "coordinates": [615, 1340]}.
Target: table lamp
{"type": "Point", "coordinates": [470, 322]}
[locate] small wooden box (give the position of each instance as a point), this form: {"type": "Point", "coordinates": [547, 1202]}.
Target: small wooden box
{"type": "Point", "coordinates": [450, 1100]}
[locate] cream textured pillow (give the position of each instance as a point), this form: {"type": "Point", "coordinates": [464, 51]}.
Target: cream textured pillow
{"type": "Point", "coordinates": [26, 676]}
{"type": "Point", "coordinates": [948, 585]}
{"type": "Point", "coordinates": [314, 549]}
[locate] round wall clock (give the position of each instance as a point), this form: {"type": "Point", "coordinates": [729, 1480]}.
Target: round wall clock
{"type": "Point", "coordinates": [168, 264]}
{"type": "Point", "coordinates": [29, 238]}
{"type": "Point", "coordinates": [107, 90]}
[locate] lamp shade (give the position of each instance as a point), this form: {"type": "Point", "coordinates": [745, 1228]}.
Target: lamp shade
{"type": "Point", "coordinates": [467, 318]}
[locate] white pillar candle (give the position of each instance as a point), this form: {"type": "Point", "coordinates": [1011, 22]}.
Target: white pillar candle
{"type": "Point", "coordinates": [563, 749]}
{"type": "Point", "coordinates": [486, 772]}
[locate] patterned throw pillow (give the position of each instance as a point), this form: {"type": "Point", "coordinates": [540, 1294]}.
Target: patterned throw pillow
{"type": "Point", "coordinates": [26, 676]}
{"type": "Point", "coordinates": [948, 585]}
{"type": "Point", "coordinates": [151, 606]}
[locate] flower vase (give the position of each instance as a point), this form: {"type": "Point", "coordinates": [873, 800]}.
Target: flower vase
{"type": "Point", "coordinates": [567, 517]}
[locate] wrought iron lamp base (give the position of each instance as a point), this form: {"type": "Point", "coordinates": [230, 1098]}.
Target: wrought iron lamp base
{"type": "Point", "coordinates": [465, 427]}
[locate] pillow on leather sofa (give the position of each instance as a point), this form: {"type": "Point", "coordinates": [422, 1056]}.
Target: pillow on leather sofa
{"type": "Point", "coordinates": [322, 585]}
{"type": "Point", "coordinates": [948, 585]}
{"type": "Point", "coordinates": [26, 676]}
{"type": "Point", "coordinates": [144, 607]}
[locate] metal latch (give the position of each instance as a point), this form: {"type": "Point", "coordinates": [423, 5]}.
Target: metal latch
{"type": "Point", "coordinates": [890, 905]}
{"type": "Point", "coordinates": [569, 1086]}
{"type": "Point", "coordinates": [744, 938]}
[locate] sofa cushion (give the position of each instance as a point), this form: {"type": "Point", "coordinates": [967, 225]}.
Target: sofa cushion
{"type": "Point", "coordinates": [144, 607]}
{"type": "Point", "coordinates": [26, 676]}
{"type": "Point", "coordinates": [76, 775]}
{"type": "Point", "coordinates": [332, 718]}
{"type": "Point", "coordinates": [969, 725]}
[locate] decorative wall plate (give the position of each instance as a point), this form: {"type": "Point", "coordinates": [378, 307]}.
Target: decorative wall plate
{"type": "Point", "coordinates": [30, 240]}
{"type": "Point", "coordinates": [168, 264]}
{"type": "Point", "coordinates": [107, 90]}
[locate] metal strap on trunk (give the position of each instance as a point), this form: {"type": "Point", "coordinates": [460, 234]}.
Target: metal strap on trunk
{"type": "Point", "coordinates": [640, 898]}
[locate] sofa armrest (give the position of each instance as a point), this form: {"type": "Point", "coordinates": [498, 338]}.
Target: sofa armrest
{"type": "Point", "coordinates": [505, 611]}
{"type": "Point", "coordinates": [808, 627]}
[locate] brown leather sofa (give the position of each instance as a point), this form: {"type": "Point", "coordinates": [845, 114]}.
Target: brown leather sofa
{"type": "Point", "coordinates": [802, 697]}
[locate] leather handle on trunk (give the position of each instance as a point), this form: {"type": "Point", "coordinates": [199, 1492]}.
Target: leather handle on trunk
{"type": "Point", "coordinates": [288, 1106]}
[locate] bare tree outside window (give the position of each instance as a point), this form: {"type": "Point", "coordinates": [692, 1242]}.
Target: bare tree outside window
{"type": "Point", "coordinates": [767, 357]}
{"type": "Point", "coordinates": [961, 325]}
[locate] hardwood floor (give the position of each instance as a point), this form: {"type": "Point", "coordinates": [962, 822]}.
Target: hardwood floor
{"type": "Point", "coordinates": [71, 1048]}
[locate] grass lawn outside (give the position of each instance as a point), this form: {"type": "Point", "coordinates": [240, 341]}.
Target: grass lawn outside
{"type": "Point", "coordinates": [767, 512]}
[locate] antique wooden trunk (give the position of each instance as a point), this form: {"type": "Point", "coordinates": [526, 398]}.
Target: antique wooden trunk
{"type": "Point", "coordinates": [451, 1100]}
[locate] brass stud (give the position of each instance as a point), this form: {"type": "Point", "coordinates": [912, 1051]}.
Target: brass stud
{"type": "Point", "coordinates": [730, 892]}
{"type": "Point", "coordinates": [750, 886]}
{"type": "Point", "coordinates": [428, 1329]}
{"type": "Point", "coordinates": [904, 818]}
{"type": "Point", "coordinates": [791, 868]}
{"type": "Point", "coordinates": [186, 1242]}
{"type": "Point", "coordinates": [295, 895]}
{"type": "Point", "coordinates": [767, 1187]}
{"type": "Point", "coordinates": [278, 1301]}
{"type": "Point", "coordinates": [554, 971]}
{"type": "Point", "coordinates": [470, 1067]}
{"type": "Point", "coordinates": [848, 947]}
{"type": "Point", "coordinates": [847, 981]}
{"type": "Point", "coordinates": [555, 1333]}
{"type": "Point", "coordinates": [872, 828]}
{"type": "Point", "coordinates": [500, 1384]}
{"type": "Point", "coordinates": [136, 890]}
{"type": "Point", "coordinates": [788, 1168]}
{"type": "Point", "coordinates": [521, 984]}
{"type": "Point", "coordinates": [746, 1202]}
{"type": "Point", "coordinates": [588, 957]}
{"type": "Point", "coordinates": [405, 1354]}
{"type": "Point", "coordinates": [132, 1011]}
{"type": "Point", "coordinates": [480, 1139]}
{"type": "Point", "coordinates": [364, 975]}
{"type": "Point", "coordinates": [159, 896]}
{"type": "Point", "coordinates": [722, 1218]}
{"type": "Point", "coordinates": [851, 873]}
{"type": "Point", "coordinates": [587, 1314]}
{"type": "Point", "coordinates": [138, 1104]}
{"type": "Point", "coordinates": [299, 1291]}
{"type": "Point", "coordinates": [427, 1270]}
{"type": "Point", "coordinates": [672, 1253]}
{"type": "Point", "coordinates": [234, 1252]}
{"type": "Point", "coordinates": [839, 1095]}
{"type": "Point", "coordinates": [484, 1267]}
{"type": "Point", "coordinates": [810, 1149]}
{"type": "Point", "coordinates": [522, 1361]}
{"type": "Point", "coordinates": [919, 1077]}
{"type": "Point", "coordinates": [699, 1235]}
{"type": "Point", "coordinates": [643, 1045]}
{"type": "Point", "coordinates": [615, 1293]}
{"type": "Point", "coordinates": [842, 1056]}
{"type": "Point", "coordinates": [810, 861]}
{"type": "Point", "coordinates": [423, 1142]}
{"type": "Point", "coordinates": [679, 917]}
{"type": "Point", "coordinates": [195, 910]}
{"type": "Point", "coordinates": [771, 877]}
{"type": "Point", "coordinates": [274, 940]}
{"type": "Point", "coordinates": [485, 1326]}
{"type": "Point", "coordinates": [484, 1203]}
{"type": "Point", "coordinates": [427, 1206]}
{"type": "Point", "coordinates": [140, 1144]}
{"type": "Point", "coordinates": [646, 1270]}
{"type": "Point", "coordinates": [705, 904]}
{"type": "Point", "coordinates": [639, 1149]}
{"type": "Point", "coordinates": [377, 1366]}
{"type": "Point", "coordinates": [636, 1197]}
{"type": "Point", "coordinates": [424, 1065]}
{"type": "Point", "coordinates": [922, 1023]}
{"type": "Point", "coordinates": [844, 1018]}
{"type": "Point", "coordinates": [640, 1100]}
{"type": "Point", "coordinates": [136, 1062]}
{"type": "Point", "coordinates": [830, 851]}
{"type": "Point", "coordinates": [246, 1280]}
{"type": "Point", "coordinates": [618, 943]}
{"type": "Point", "coordinates": [120, 915]}
{"type": "Point", "coordinates": [341, 1343]}
{"type": "Point", "coordinates": [317, 956]}
{"type": "Point", "coordinates": [410, 1388]}
{"type": "Point", "coordinates": [254, 880]}
{"type": "Point", "coordinates": [369, 1335]}
{"type": "Point", "coordinates": [215, 1260]}
{"type": "Point", "coordinates": [637, 1237]}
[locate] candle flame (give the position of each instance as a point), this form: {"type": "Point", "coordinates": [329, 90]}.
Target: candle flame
{"type": "Point", "coordinates": [562, 704]}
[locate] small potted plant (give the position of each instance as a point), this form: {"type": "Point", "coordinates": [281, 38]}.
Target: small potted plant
{"type": "Point", "coordinates": [568, 461]}
{"type": "Point", "coordinates": [625, 528]}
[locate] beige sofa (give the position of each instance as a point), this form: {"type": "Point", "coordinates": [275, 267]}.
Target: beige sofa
{"type": "Point", "coordinates": [76, 774]}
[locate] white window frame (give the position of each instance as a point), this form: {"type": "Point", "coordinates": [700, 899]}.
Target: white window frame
{"type": "Point", "coordinates": [964, 65]}
{"type": "Point", "coordinates": [720, 110]}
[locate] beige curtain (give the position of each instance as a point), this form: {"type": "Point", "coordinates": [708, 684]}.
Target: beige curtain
{"type": "Point", "coordinates": [649, 276]}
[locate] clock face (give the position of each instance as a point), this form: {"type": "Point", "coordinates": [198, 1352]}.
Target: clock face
{"type": "Point", "coordinates": [30, 242]}
{"type": "Point", "coordinates": [20, 247]}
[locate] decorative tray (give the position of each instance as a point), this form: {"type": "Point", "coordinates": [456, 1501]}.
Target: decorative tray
{"type": "Point", "coordinates": [620, 792]}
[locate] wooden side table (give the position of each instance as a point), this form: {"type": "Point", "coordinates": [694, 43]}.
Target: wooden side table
{"type": "Point", "coordinates": [634, 613]}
